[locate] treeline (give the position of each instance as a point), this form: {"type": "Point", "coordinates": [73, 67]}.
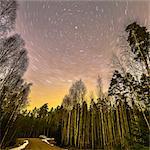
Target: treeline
{"type": "Point", "coordinates": [40, 121]}
{"type": "Point", "coordinates": [102, 127]}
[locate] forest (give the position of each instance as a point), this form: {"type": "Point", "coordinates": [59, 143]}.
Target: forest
{"type": "Point", "coordinates": [114, 120]}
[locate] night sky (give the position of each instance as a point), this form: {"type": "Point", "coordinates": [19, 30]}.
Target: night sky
{"type": "Point", "coordinates": [69, 40]}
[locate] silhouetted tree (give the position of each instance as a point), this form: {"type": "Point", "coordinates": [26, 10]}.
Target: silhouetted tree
{"type": "Point", "coordinates": [13, 63]}
{"type": "Point", "coordinates": [139, 41]}
{"type": "Point", "coordinates": [77, 92]}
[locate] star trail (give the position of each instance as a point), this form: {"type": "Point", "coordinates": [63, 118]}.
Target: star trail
{"type": "Point", "coordinates": [69, 40]}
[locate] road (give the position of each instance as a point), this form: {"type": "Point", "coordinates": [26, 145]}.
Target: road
{"type": "Point", "coordinates": [38, 144]}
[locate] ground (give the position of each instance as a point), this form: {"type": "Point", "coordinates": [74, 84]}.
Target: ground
{"type": "Point", "coordinates": [38, 144]}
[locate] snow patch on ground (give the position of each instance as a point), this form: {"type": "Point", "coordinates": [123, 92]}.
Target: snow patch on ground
{"type": "Point", "coordinates": [45, 140]}
{"type": "Point", "coordinates": [26, 142]}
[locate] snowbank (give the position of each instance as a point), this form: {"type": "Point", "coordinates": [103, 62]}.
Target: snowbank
{"type": "Point", "coordinates": [42, 136]}
{"type": "Point", "coordinates": [45, 140]}
{"type": "Point", "coordinates": [50, 139]}
{"type": "Point", "coordinates": [26, 142]}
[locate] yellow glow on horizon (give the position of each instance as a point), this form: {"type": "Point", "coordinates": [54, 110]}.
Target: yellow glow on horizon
{"type": "Point", "coordinates": [53, 96]}
{"type": "Point", "coordinates": [42, 95]}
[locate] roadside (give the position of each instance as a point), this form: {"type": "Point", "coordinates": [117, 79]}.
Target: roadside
{"type": "Point", "coordinates": [38, 144]}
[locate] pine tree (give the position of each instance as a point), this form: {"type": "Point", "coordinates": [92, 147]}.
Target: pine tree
{"type": "Point", "coordinates": [139, 42]}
